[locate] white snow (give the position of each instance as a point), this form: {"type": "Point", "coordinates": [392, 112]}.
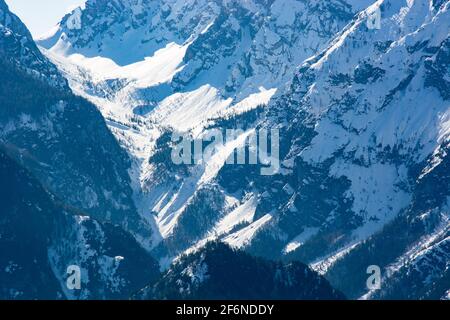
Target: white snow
{"type": "Point", "coordinates": [184, 111]}
{"type": "Point", "coordinates": [299, 240]}
{"type": "Point", "coordinates": [254, 100]}
{"type": "Point", "coordinates": [159, 68]}
{"type": "Point", "coordinates": [170, 205]}
{"type": "Point", "coordinates": [74, 21]}
{"type": "Point", "coordinates": [243, 237]}
{"type": "Point", "coordinates": [322, 265]}
{"type": "Point", "coordinates": [244, 213]}
{"type": "Point", "coordinates": [218, 160]}
{"type": "Point", "coordinates": [376, 193]}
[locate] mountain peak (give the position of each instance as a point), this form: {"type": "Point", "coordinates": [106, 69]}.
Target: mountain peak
{"type": "Point", "coordinates": [17, 47]}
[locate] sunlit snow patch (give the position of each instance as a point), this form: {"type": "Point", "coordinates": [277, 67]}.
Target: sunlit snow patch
{"type": "Point", "coordinates": [243, 237]}
{"type": "Point", "coordinates": [242, 214]}
{"type": "Point", "coordinates": [299, 240]}
{"type": "Point", "coordinates": [159, 68]}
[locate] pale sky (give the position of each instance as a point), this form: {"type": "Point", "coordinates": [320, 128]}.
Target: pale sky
{"type": "Point", "coordinates": [40, 16]}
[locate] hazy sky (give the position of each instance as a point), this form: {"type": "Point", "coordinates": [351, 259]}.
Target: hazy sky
{"type": "Point", "coordinates": [41, 15]}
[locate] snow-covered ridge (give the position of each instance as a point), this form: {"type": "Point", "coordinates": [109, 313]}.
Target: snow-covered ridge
{"type": "Point", "coordinates": [17, 46]}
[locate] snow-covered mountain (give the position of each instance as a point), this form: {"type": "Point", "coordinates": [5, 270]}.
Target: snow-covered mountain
{"type": "Point", "coordinates": [66, 200]}
{"type": "Point", "coordinates": [371, 123]}
{"type": "Point", "coordinates": [64, 189]}
{"type": "Point", "coordinates": [17, 46]}
{"type": "Point", "coordinates": [363, 113]}
{"type": "Point", "coordinates": [163, 85]}
{"type": "Point", "coordinates": [57, 135]}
